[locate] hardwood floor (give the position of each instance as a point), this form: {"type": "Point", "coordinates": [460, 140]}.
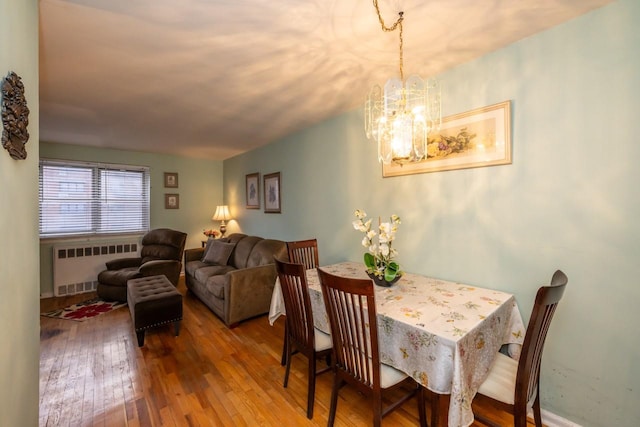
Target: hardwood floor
{"type": "Point", "coordinates": [93, 373]}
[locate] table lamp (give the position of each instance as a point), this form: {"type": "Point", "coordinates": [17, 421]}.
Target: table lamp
{"type": "Point", "coordinates": [222, 214]}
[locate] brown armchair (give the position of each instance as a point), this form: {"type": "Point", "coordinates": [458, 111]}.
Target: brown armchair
{"type": "Point", "coordinates": [161, 253]}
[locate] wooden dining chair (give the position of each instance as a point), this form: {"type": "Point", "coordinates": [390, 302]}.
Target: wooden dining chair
{"type": "Point", "coordinates": [514, 386]}
{"type": "Point", "coordinates": [303, 252]}
{"type": "Point", "coordinates": [351, 308]}
{"type": "Point", "coordinates": [301, 334]}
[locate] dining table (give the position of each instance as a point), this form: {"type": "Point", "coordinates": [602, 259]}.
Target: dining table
{"type": "Point", "coordinates": [443, 334]}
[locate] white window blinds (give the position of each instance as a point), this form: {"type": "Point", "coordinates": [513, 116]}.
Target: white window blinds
{"type": "Point", "coordinates": [78, 198]}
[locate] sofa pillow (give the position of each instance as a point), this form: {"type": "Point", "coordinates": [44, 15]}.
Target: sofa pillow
{"type": "Point", "coordinates": [218, 252]}
{"type": "Point", "coordinates": [211, 239]}
{"type": "Point", "coordinates": [206, 245]}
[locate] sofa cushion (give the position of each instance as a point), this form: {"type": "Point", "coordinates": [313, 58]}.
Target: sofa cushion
{"type": "Point", "coordinates": [235, 237]}
{"type": "Point", "coordinates": [156, 252]}
{"type": "Point", "coordinates": [165, 237]}
{"type": "Point", "coordinates": [218, 252]}
{"type": "Point", "coordinates": [204, 273]}
{"type": "Point", "coordinates": [191, 267]}
{"type": "Point", "coordinates": [162, 243]}
{"type": "Point", "coordinates": [264, 251]}
{"type": "Point", "coordinates": [215, 285]}
{"type": "Point", "coordinates": [119, 277]}
{"type": "Point", "coordinates": [242, 251]}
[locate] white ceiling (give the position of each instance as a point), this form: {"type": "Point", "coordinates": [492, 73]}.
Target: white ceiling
{"type": "Point", "coordinates": [215, 78]}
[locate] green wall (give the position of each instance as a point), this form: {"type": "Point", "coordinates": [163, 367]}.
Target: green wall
{"type": "Point", "coordinates": [199, 187]}
{"type": "Point", "coordinates": [19, 304]}
{"type": "Point", "coordinates": [568, 201]}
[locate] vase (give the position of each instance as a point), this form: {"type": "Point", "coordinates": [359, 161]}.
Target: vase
{"type": "Point", "coordinates": [380, 281]}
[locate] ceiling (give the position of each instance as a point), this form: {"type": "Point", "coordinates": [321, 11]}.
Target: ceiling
{"type": "Point", "coordinates": [215, 78]}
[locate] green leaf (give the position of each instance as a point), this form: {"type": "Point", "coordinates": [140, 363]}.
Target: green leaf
{"type": "Point", "coordinates": [389, 275]}
{"type": "Point", "coordinates": [369, 261]}
{"type": "Point", "coordinates": [392, 270]}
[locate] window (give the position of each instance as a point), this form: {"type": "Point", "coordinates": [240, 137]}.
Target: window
{"type": "Point", "coordinates": [78, 198]}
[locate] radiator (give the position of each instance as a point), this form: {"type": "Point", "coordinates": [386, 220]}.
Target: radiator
{"type": "Point", "coordinates": [76, 265]}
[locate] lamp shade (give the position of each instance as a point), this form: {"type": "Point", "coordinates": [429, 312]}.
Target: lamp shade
{"type": "Point", "coordinates": [222, 213]}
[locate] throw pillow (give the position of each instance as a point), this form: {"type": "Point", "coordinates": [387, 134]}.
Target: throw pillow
{"type": "Point", "coordinates": [218, 252]}
{"type": "Point", "coordinates": [209, 240]}
{"type": "Point", "coordinates": [206, 246]}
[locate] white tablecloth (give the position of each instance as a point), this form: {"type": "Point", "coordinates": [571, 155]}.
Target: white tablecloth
{"type": "Point", "coordinates": [443, 334]}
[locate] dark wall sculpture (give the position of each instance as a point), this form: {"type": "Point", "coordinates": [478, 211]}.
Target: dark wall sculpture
{"type": "Point", "coordinates": [15, 117]}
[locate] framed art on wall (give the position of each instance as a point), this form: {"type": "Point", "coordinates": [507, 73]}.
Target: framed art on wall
{"type": "Point", "coordinates": [170, 180]}
{"type": "Point", "coordinates": [253, 190]}
{"type": "Point", "coordinates": [272, 196]}
{"type": "Point", "coordinates": [172, 201]}
{"type": "Point", "coordinates": [476, 138]}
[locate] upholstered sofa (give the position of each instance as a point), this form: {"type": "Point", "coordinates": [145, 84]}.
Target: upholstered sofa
{"type": "Point", "coordinates": [234, 277]}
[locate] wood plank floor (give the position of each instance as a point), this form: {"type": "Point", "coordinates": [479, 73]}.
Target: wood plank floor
{"type": "Point", "coordinates": [93, 373]}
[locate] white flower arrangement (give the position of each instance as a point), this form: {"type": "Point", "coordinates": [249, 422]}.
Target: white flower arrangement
{"type": "Point", "coordinates": [379, 259]}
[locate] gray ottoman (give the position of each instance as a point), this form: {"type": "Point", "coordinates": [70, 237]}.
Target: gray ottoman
{"type": "Point", "coordinates": [153, 301]}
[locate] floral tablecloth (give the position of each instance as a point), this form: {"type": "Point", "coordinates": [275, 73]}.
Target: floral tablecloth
{"type": "Point", "coordinates": [443, 334]}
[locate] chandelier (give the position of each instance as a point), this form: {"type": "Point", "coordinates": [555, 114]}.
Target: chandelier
{"type": "Point", "coordinates": [400, 117]}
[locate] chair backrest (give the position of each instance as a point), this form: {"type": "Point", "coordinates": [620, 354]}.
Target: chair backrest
{"type": "Point", "coordinates": [304, 252]}
{"type": "Point", "coordinates": [297, 303]}
{"type": "Point", "coordinates": [351, 309]}
{"type": "Point", "coordinates": [164, 244]}
{"type": "Point", "coordinates": [544, 308]}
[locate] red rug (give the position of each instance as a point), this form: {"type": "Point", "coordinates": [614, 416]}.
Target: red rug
{"type": "Point", "coordinates": [85, 310]}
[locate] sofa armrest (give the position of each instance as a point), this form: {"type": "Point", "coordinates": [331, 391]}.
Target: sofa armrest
{"type": "Point", "coordinates": [248, 292]}
{"type": "Point", "coordinates": [194, 254]}
{"type": "Point", "coordinates": [170, 268]}
{"type": "Point", "coordinates": [119, 263]}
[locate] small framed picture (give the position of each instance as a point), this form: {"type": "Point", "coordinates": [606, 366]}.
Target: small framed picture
{"type": "Point", "coordinates": [253, 191]}
{"type": "Point", "coordinates": [172, 201]}
{"type": "Point", "coordinates": [170, 180]}
{"type": "Point", "coordinates": [272, 197]}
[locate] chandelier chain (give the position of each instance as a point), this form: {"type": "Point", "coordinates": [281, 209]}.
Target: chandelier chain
{"type": "Point", "coordinates": [397, 24]}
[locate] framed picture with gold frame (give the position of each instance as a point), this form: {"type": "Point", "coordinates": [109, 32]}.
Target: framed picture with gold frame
{"type": "Point", "coordinates": [476, 138]}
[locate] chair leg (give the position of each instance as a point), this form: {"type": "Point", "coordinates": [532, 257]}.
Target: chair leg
{"type": "Point", "coordinates": [422, 413]}
{"type": "Point", "coordinates": [377, 409]}
{"type": "Point", "coordinates": [284, 347]}
{"type": "Point", "coordinates": [337, 383]}
{"type": "Point", "coordinates": [435, 409]}
{"type": "Point", "coordinates": [288, 363]}
{"type": "Point", "coordinates": [311, 386]}
{"type": "Point", "coordinates": [536, 410]}
{"type": "Point", "coordinates": [519, 417]}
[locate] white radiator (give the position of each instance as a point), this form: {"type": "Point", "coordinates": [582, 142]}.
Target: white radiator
{"type": "Point", "coordinates": [76, 265]}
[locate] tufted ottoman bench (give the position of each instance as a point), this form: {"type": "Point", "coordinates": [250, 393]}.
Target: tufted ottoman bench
{"type": "Point", "coordinates": [153, 301]}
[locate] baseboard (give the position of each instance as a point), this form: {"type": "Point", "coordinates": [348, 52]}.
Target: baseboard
{"type": "Point", "coordinates": [552, 420]}
{"type": "Point", "coordinates": [50, 294]}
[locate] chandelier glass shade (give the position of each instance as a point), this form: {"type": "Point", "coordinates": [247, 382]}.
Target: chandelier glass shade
{"type": "Point", "coordinates": [400, 116]}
